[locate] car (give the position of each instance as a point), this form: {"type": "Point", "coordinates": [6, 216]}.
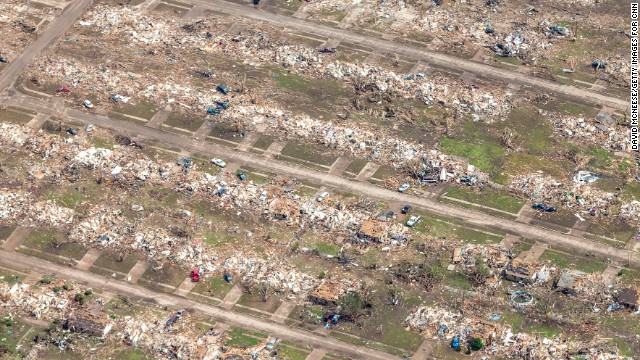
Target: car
{"type": "Point", "coordinates": [3, 59]}
{"type": "Point", "coordinates": [543, 207]}
{"type": "Point", "coordinates": [213, 111]}
{"type": "Point", "coordinates": [322, 196]}
{"type": "Point", "coordinates": [223, 89]}
{"type": "Point", "coordinates": [263, 196]}
{"type": "Point", "coordinates": [329, 50]}
{"type": "Point", "coordinates": [241, 176]}
{"type": "Point", "coordinates": [218, 162]}
{"type": "Point", "coordinates": [413, 220]}
{"type": "Point", "coordinates": [406, 209]}
{"type": "Point", "coordinates": [271, 344]}
{"type": "Point", "coordinates": [89, 128]}
{"type": "Point", "coordinates": [87, 104]}
{"type": "Point", "coordinates": [390, 215]}
{"type": "Point", "coordinates": [404, 187]}
{"type": "Point", "coordinates": [72, 131]}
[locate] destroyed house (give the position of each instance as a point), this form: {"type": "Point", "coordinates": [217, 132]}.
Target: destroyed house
{"type": "Point", "coordinates": [281, 209]}
{"type": "Point", "coordinates": [628, 297]}
{"type": "Point", "coordinates": [569, 281]}
{"type": "Point", "coordinates": [519, 270]}
{"type": "Point", "coordinates": [326, 294]}
{"type": "Point", "coordinates": [373, 230]}
{"type": "Point", "coordinates": [86, 322]}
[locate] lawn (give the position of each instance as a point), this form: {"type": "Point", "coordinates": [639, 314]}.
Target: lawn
{"type": "Point", "coordinates": [110, 261]}
{"type": "Point", "coordinates": [169, 274]}
{"type": "Point", "coordinates": [572, 262]}
{"type": "Point", "coordinates": [218, 239]}
{"type": "Point", "coordinates": [440, 229]}
{"type": "Point", "coordinates": [254, 301]}
{"type": "Point", "coordinates": [216, 287]}
{"type": "Point", "coordinates": [356, 166]}
{"type": "Point", "coordinates": [56, 243]}
{"type": "Point", "coordinates": [143, 109]}
{"type": "Point", "coordinates": [289, 353]}
{"type": "Point", "coordinates": [263, 142]}
{"type": "Point", "coordinates": [16, 117]}
{"type": "Point", "coordinates": [613, 229]}
{"type": "Point", "coordinates": [384, 172]}
{"type": "Point", "coordinates": [308, 152]}
{"type": "Point", "coordinates": [493, 198]}
{"type": "Point", "coordinates": [486, 156]}
{"type": "Point", "coordinates": [184, 121]}
{"type": "Point", "coordinates": [68, 198]}
{"type": "Point", "coordinates": [243, 338]}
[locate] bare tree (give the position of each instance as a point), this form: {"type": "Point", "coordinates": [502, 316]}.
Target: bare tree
{"type": "Point", "coordinates": [264, 290]}
{"type": "Point", "coordinates": [247, 286]}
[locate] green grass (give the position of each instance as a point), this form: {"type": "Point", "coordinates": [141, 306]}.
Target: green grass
{"type": "Point", "coordinates": [362, 342]}
{"type": "Point", "coordinates": [543, 330]}
{"type": "Point", "coordinates": [384, 172]}
{"type": "Point", "coordinates": [493, 198]}
{"type": "Point", "coordinates": [109, 261]}
{"type": "Point", "coordinates": [132, 354]}
{"type": "Point", "coordinates": [254, 301]}
{"type": "Point", "coordinates": [327, 248]}
{"type": "Point", "coordinates": [456, 280]}
{"type": "Point", "coordinates": [356, 166]}
{"type": "Point", "coordinates": [5, 231]}
{"type": "Point", "coordinates": [521, 246]}
{"type": "Point", "coordinates": [169, 274]}
{"type": "Point", "coordinates": [290, 353]}
{"type": "Point", "coordinates": [101, 143]}
{"type": "Point", "coordinates": [514, 319]}
{"type": "Point", "coordinates": [143, 109]}
{"type": "Point", "coordinates": [308, 152]}
{"type": "Point", "coordinates": [16, 117]}
{"type": "Point", "coordinates": [433, 227]}
{"type": "Point", "coordinates": [216, 287]}
{"type": "Point", "coordinates": [54, 242]}
{"type": "Point", "coordinates": [184, 121]}
{"type": "Point", "coordinates": [572, 262]}
{"type": "Point", "coordinates": [263, 142]}
{"type": "Point", "coordinates": [601, 158]}
{"type": "Point", "coordinates": [629, 276]}
{"type": "Point", "coordinates": [486, 156]}
{"type": "Point", "coordinates": [243, 338]}
{"type": "Point", "coordinates": [69, 198]}
{"type": "Point", "coordinates": [218, 239]}
{"type": "Point", "coordinates": [290, 81]}
{"type": "Point", "coordinates": [613, 229]}
{"type": "Point", "coordinates": [631, 191]}
{"type": "Point", "coordinates": [623, 347]}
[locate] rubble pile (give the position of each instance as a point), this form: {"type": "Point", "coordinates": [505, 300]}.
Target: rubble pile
{"type": "Point", "coordinates": [603, 131]}
{"type": "Point", "coordinates": [18, 18]}
{"type": "Point", "coordinates": [18, 205]}
{"type": "Point", "coordinates": [180, 340]}
{"type": "Point", "coordinates": [498, 339]}
{"type": "Point", "coordinates": [37, 301]}
{"type": "Point", "coordinates": [255, 46]}
{"type": "Point", "coordinates": [106, 226]}
{"type": "Point", "coordinates": [578, 196]}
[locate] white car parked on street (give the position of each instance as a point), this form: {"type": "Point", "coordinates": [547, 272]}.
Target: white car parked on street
{"type": "Point", "coordinates": [219, 162]}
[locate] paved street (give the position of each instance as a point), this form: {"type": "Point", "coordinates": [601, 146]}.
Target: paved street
{"type": "Point", "coordinates": [268, 164]}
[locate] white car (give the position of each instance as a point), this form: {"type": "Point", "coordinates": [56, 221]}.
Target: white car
{"type": "Point", "coordinates": [404, 187]}
{"type": "Point", "coordinates": [413, 220]}
{"type": "Point", "coordinates": [263, 196]}
{"type": "Point", "coordinates": [322, 196]}
{"type": "Point", "coordinates": [219, 162]}
{"type": "Point", "coordinates": [87, 104]}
